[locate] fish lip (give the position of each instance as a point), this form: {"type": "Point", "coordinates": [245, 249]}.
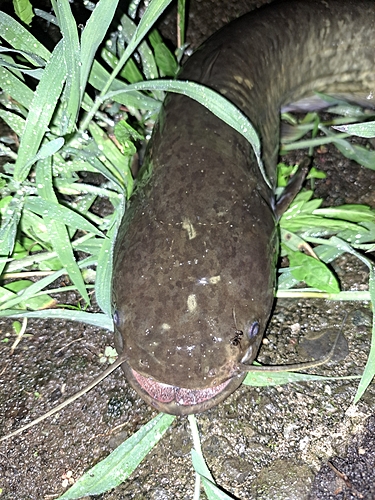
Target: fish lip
{"type": "Point", "coordinates": [176, 400]}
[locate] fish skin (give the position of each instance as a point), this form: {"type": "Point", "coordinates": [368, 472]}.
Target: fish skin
{"type": "Point", "coordinates": [196, 252]}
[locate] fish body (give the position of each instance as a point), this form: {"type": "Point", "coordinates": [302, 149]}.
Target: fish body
{"type": "Point", "coordinates": [196, 252]}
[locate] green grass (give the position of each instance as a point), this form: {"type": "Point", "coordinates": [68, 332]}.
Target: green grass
{"type": "Point", "coordinates": [46, 207]}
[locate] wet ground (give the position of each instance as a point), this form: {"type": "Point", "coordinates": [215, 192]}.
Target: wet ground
{"type": "Point", "coordinates": [300, 441]}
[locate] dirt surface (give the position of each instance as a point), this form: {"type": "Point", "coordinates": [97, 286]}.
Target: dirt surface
{"type": "Point", "coordinates": [270, 443]}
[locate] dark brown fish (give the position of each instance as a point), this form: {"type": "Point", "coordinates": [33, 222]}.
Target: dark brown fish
{"type": "Point", "coordinates": [194, 266]}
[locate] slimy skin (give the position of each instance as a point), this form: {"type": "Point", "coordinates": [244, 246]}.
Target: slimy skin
{"type": "Point", "coordinates": [195, 256]}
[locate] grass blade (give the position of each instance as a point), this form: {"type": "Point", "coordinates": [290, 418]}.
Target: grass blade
{"type": "Point", "coordinates": [213, 492]}
{"type": "Point", "coordinates": [94, 319]}
{"type": "Point", "coordinates": [15, 122]}
{"type": "Point", "coordinates": [259, 379]}
{"type": "Point", "coordinates": [359, 129]}
{"type": "Point", "coordinates": [201, 469]}
{"type": "Point", "coordinates": [148, 60]}
{"type": "Point", "coordinates": [23, 10]}
{"type": "Point", "coordinates": [369, 370]}
{"type": "Point", "coordinates": [150, 16]}
{"type": "Point", "coordinates": [42, 108]}
{"type": "Point", "coordinates": [20, 39]}
{"type": "Point", "coordinates": [59, 212]}
{"type": "Point", "coordinates": [210, 488]}
{"type": "Point", "coordinates": [70, 101]}
{"type": "Point", "coordinates": [9, 227]}
{"type": "Point", "coordinates": [93, 34]}
{"type": "Point", "coordinates": [15, 88]}
{"type": "Point", "coordinates": [103, 282]}
{"type": "Point", "coordinates": [118, 466]}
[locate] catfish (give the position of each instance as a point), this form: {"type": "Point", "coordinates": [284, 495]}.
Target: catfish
{"type": "Point", "coordinates": [196, 252]}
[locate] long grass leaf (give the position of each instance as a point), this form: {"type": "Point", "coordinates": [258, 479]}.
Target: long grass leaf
{"type": "Point", "coordinates": [118, 466]}
{"type": "Point", "coordinates": [14, 121]}
{"type": "Point", "coordinates": [70, 101]}
{"type": "Point", "coordinates": [32, 290]}
{"type": "Point", "coordinates": [61, 244]}
{"type": "Point", "coordinates": [266, 379]}
{"type": "Point", "coordinates": [200, 466]}
{"type": "Point", "coordinates": [19, 38]}
{"type": "Point", "coordinates": [359, 129]}
{"type": "Point", "coordinates": [103, 282]}
{"type": "Point", "coordinates": [57, 231]}
{"type": "Point", "coordinates": [369, 370]}
{"type": "Point", "coordinates": [150, 16]}
{"type": "Point", "coordinates": [93, 34]}
{"type": "Point", "coordinates": [94, 319]}
{"type": "Point", "coordinates": [41, 110]}
{"type": "Point", "coordinates": [148, 61]}
{"type": "Point", "coordinates": [9, 228]}
{"type": "Point", "coordinates": [85, 158]}
{"type": "Point", "coordinates": [59, 212]}
{"type": "Point", "coordinates": [18, 90]}
{"type": "Point", "coordinates": [118, 161]}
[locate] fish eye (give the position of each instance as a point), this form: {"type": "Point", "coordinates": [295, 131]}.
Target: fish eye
{"type": "Point", "coordinates": [116, 318]}
{"type": "Point", "coordinates": [253, 330]}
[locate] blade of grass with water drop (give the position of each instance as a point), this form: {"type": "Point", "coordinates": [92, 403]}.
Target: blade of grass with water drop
{"type": "Point", "coordinates": [14, 121]}
{"type": "Point", "coordinates": [35, 303]}
{"type": "Point", "coordinates": [212, 491]}
{"type": "Point", "coordinates": [70, 100]}
{"type": "Point", "coordinates": [18, 90]}
{"type": "Point", "coordinates": [41, 110]}
{"type": "Point", "coordinates": [149, 67]}
{"type": "Point", "coordinates": [60, 212]}
{"type": "Point", "coordinates": [33, 289]}
{"type": "Point", "coordinates": [150, 16]}
{"type": "Point", "coordinates": [19, 38]}
{"type": "Point", "coordinates": [93, 34]}
{"type": "Point", "coordinates": [366, 130]}
{"type": "Point", "coordinates": [115, 160]}
{"type": "Point", "coordinates": [98, 79]}
{"type": "Point", "coordinates": [359, 154]}
{"type": "Point", "coordinates": [59, 236]}
{"type": "Point", "coordinates": [9, 228]}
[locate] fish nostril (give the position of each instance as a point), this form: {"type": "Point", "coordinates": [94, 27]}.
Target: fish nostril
{"type": "Point", "coordinates": [144, 363]}
{"type": "Point", "coordinates": [248, 355]}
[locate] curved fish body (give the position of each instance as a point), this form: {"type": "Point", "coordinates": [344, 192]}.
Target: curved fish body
{"type": "Point", "coordinates": [194, 265]}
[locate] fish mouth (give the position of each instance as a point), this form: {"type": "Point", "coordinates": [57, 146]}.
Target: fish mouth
{"type": "Point", "coordinates": [178, 400]}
